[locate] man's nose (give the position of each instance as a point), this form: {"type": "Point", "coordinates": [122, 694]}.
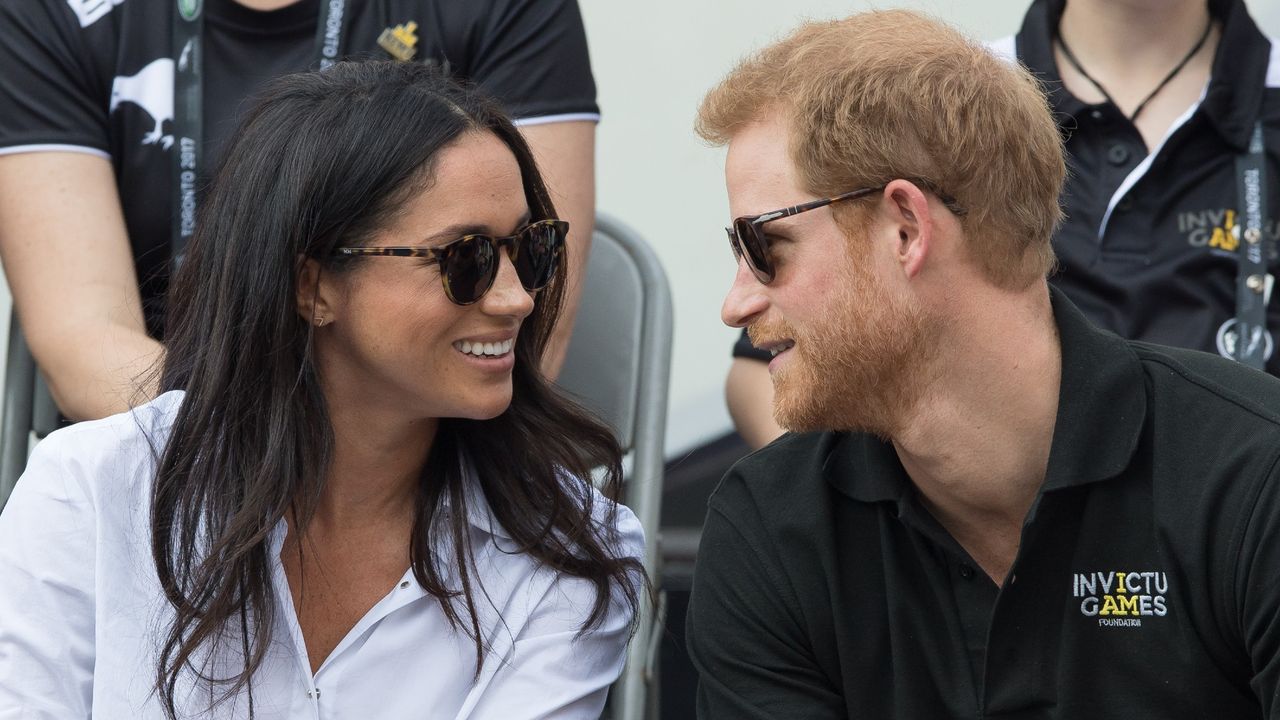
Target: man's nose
{"type": "Point", "coordinates": [746, 299]}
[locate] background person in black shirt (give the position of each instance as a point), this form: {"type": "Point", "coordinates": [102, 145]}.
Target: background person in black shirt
{"type": "Point", "coordinates": [88, 132]}
{"type": "Point", "coordinates": [990, 507]}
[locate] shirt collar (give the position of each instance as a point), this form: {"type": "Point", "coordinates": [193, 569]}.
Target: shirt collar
{"type": "Point", "coordinates": [1234, 99]}
{"type": "Point", "coordinates": [1236, 86]}
{"type": "Point", "coordinates": [1102, 406]}
{"type": "Point", "coordinates": [479, 514]}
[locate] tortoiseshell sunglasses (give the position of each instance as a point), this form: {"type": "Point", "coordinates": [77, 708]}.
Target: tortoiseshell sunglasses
{"type": "Point", "coordinates": [469, 265]}
{"type": "Point", "coordinates": [748, 241]}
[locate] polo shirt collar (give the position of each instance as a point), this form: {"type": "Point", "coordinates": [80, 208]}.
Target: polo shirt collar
{"type": "Point", "coordinates": [1234, 98]}
{"type": "Point", "coordinates": [1102, 406]}
{"type": "Point", "coordinates": [1102, 401]}
{"type": "Point", "coordinates": [1236, 85]}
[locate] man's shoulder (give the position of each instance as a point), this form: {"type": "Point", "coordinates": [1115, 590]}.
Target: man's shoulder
{"type": "Point", "coordinates": [787, 473]}
{"type": "Point", "coordinates": [1212, 383]}
{"type": "Point", "coordinates": [1210, 417]}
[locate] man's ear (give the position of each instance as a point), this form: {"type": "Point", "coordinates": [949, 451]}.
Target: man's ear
{"type": "Point", "coordinates": [312, 294]}
{"type": "Point", "coordinates": [909, 212]}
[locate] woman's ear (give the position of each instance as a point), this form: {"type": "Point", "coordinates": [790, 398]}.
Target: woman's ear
{"type": "Point", "coordinates": [313, 302]}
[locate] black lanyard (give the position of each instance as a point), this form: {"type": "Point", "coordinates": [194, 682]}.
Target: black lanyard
{"type": "Point", "coordinates": [188, 99]}
{"type": "Point", "coordinates": [1253, 282]}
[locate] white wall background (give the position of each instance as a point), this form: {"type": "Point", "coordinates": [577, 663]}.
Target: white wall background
{"type": "Point", "coordinates": [653, 62]}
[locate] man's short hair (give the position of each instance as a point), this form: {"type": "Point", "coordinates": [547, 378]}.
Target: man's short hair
{"type": "Point", "coordinates": [894, 94]}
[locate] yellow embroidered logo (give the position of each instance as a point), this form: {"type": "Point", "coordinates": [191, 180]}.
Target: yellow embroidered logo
{"type": "Point", "coordinates": [400, 41]}
{"type": "Point", "coordinates": [1121, 599]}
{"type": "Point", "coordinates": [1220, 230]}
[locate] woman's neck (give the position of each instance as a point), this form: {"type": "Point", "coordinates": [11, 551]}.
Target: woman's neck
{"type": "Point", "coordinates": [376, 468]}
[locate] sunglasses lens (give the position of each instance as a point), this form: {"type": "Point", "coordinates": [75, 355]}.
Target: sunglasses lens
{"type": "Point", "coordinates": [751, 245]}
{"type": "Point", "coordinates": [539, 250]}
{"type": "Point", "coordinates": [469, 269]}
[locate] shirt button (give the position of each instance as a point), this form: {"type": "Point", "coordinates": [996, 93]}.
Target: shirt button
{"type": "Point", "coordinates": [1095, 114]}
{"type": "Point", "coordinates": [404, 585]}
{"type": "Point", "coordinates": [966, 572]}
{"type": "Point", "coordinates": [1117, 154]}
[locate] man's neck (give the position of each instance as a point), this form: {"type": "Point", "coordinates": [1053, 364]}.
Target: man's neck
{"type": "Point", "coordinates": [978, 445]}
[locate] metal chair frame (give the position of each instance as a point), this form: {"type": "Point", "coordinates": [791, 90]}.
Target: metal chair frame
{"type": "Point", "coordinates": [632, 398]}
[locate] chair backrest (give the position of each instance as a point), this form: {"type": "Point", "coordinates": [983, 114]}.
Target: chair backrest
{"type": "Point", "coordinates": [27, 411]}
{"type": "Point", "coordinates": [618, 365]}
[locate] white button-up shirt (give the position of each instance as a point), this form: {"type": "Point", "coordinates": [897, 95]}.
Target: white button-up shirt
{"type": "Point", "coordinates": [82, 613]}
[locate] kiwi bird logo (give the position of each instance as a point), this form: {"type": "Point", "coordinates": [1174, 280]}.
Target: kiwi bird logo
{"type": "Point", "coordinates": [152, 90]}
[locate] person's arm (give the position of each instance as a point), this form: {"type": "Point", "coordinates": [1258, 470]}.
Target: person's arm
{"type": "Point", "coordinates": [565, 152]}
{"type": "Point", "coordinates": [69, 266]}
{"type": "Point", "coordinates": [752, 654]}
{"type": "Point", "coordinates": [47, 617]}
{"type": "Point", "coordinates": [748, 391]}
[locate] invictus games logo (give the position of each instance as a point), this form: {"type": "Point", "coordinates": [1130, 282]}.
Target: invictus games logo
{"type": "Point", "coordinates": [1218, 230]}
{"type": "Point", "coordinates": [1121, 599]}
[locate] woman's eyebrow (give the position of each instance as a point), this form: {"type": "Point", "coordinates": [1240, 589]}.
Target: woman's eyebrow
{"type": "Point", "coordinates": [457, 230]}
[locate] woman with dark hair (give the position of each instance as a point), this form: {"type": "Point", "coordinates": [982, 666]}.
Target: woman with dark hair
{"type": "Point", "coordinates": [357, 496]}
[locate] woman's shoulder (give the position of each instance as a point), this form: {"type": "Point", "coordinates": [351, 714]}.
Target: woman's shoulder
{"type": "Point", "coordinates": [614, 522]}
{"type": "Point", "coordinates": [116, 455]}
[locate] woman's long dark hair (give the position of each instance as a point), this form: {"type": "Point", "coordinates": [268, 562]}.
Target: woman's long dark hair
{"type": "Point", "coordinates": [326, 159]}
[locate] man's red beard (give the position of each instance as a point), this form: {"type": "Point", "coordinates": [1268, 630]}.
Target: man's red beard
{"type": "Point", "coordinates": [856, 367]}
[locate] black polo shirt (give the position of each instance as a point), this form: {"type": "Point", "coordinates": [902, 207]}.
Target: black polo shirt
{"type": "Point", "coordinates": [1147, 584]}
{"type": "Point", "coordinates": [1149, 246]}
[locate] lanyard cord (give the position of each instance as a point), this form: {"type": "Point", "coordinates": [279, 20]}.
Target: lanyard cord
{"type": "Point", "coordinates": [1253, 281]}
{"type": "Point", "coordinates": [188, 100]}
{"type": "Point", "coordinates": [1071, 58]}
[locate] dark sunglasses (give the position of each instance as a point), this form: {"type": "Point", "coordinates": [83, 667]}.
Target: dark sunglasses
{"type": "Point", "coordinates": [748, 241]}
{"type": "Point", "coordinates": [469, 265]}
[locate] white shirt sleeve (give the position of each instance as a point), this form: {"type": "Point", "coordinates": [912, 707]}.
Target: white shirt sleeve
{"type": "Point", "coordinates": [551, 672]}
{"type": "Point", "coordinates": [47, 559]}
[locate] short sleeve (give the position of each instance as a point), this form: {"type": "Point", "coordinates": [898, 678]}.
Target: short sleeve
{"type": "Point", "coordinates": [47, 558]}
{"type": "Point", "coordinates": [533, 58]}
{"type": "Point", "coordinates": [744, 349]}
{"type": "Point", "coordinates": [50, 91]}
{"type": "Point", "coordinates": [1258, 589]}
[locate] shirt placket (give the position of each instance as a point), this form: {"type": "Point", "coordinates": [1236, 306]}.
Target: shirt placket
{"type": "Point", "coordinates": [329, 675]}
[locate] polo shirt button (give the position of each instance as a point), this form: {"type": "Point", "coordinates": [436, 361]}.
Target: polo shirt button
{"type": "Point", "coordinates": [1117, 154]}
{"type": "Point", "coordinates": [966, 572]}
{"type": "Point", "coordinates": [1095, 114]}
